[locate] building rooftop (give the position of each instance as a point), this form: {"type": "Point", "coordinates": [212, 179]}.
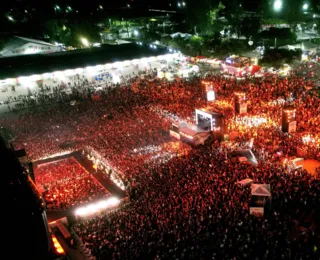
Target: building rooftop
{"type": "Point", "coordinates": [27, 65]}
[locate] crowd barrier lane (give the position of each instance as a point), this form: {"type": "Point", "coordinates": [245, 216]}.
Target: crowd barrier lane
{"type": "Point", "coordinates": [117, 176]}
{"type": "Point", "coordinates": [64, 231]}
{"type": "Point", "coordinates": [81, 247]}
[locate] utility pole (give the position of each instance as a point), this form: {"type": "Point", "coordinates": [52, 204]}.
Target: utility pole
{"type": "Point", "coordinates": [127, 28]}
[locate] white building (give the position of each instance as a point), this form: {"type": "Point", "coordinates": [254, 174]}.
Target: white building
{"type": "Point", "coordinates": [25, 46]}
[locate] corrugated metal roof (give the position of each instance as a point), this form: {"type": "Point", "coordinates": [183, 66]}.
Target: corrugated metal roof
{"type": "Point", "coordinates": [17, 41]}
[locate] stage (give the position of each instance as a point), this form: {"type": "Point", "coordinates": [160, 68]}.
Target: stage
{"type": "Point", "coordinates": [311, 165]}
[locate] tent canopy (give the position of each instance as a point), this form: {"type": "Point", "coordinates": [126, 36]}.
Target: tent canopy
{"type": "Point", "coordinates": [245, 182]}
{"type": "Point", "coordinates": [261, 190]}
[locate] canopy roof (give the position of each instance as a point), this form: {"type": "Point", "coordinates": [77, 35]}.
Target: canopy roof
{"type": "Point", "coordinates": [260, 190]}
{"type": "Point", "coordinates": [27, 65]}
{"type": "Point", "coordinates": [245, 182]}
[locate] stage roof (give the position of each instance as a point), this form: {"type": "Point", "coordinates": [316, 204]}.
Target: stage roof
{"type": "Point", "coordinates": [206, 110]}
{"type": "Point", "coordinates": [27, 65]}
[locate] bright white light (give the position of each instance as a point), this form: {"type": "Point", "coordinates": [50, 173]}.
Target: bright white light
{"type": "Point", "coordinates": [113, 201]}
{"type": "Point", "coordinates": [78, 70]}
{"type": "Point", "coordinates": [179, 4]}
{"type": "Point", "coordinates": [305, 6]}
{"type": "Point", "coordinates": [58, 74]}
{"type": "Point", "coordinates": [35, 77]}
{"type": "Point", "coordinates": [10, 18]}
{"type": "Point", "coordinates": [31, 51]}
{"type": "Point", "coordinates": [90, 69]}
{"type": "Point", "coordinates": [211, 95]}
{"type": "Point", "coordinates": [46, 76]}
{"type": "Point", "coordinates": [96, 207]}
{"type": "Point", "coordinates": [116, 79]}
{"type": "Point", "coordinates": [277, 5]}
{"type": "Point", "coordinates": [135, 62]}
{"type": "Point", "coordinates": [170, 50]}
{"type": "Point", "coordinates": [136, 33]}
{"type": "Point", "coordinates": [85, 42]}
{"type": "Point", "coordinates": [103, 204]}
{"type": "Point", "coordinates": [183, 3]}
{"type": "Point", "coordinates": [24, 81]}
{"type": "Point", "coordinates": [107, 66]}
{"type": "Point", "coordinates": [92, 208]}
{"type": "Point", "coordinates": [98, 67]}
{"type": "Point", "coordinates": [81, 211]}
{"type": "Point", "coordinates": [101, 7]}
{"type": "Point", "coordinates": [117, 65]}
{"type": "Point", "coordinates": [126, 63]}
{"type": "Point", "coordinates": [69, 72]}
{"type": "Point", "coordinates": [308, 139]}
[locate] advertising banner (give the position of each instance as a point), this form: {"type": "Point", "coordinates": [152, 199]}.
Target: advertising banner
{"type": "Point", "coordinates": [257, 211]}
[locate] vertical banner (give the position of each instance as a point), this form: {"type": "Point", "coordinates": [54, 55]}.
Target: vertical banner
{"type": "Point", "coordinates": [292, 127]}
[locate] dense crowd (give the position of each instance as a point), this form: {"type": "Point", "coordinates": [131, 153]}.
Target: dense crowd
{"type": "Point", "coordinates": [186, 203]}
{"type": "Point", "coordinates": [193, 209]}
{"type": "Point", "coordinates": [67, 184]}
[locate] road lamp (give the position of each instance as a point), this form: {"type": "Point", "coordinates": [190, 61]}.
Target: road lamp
{"type": "Point", "coordinates": [56, 8]}
{"type": "Point", "coordinates": [136, 33]}
{"type": "Point", "coordinates": [10, 18]}
{"type": "Point", "coordinates": [277, 5]}
{"type": "Point", "coordinates": [85, 42]}
{"type": "Point", "coordinates": [305, 7]}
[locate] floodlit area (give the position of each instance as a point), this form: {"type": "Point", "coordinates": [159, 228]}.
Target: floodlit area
{"type": "Point", "coordinates": [97, 207]}
{"type": "Point", "coordinates": [178, 150]}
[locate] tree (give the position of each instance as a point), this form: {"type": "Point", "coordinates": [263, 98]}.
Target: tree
{"type": "Point", "coordinates": [215, 24]}
{"type": "Point", "coordinates": [54, 29]}
{"type": "Point", "coordinates": [196, 43]}
{"type": "Point", "coordinates": [198, 15]}
{"type": "Point", "coordinates": [277, 57]}
{"type": "Point", "coordinates": [318, 26]}
{"type": "Point", "coordinates": [2, 43]}
{"type": "Point", "coordinates": [250, 27]}
{"type": "Point", "coordinates": [283, 35]}
{"type": "Point", "coordinates": [293, 13]}
{"type": "Point", "coordinates": [70, 31]}
{"type": "Point", "coordinates": [234, 16]}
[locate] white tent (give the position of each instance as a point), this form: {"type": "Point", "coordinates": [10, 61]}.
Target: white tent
{"type": "Point", "coordinates": [261, 190]}
{"type": "Point", "coordinates": [245, 182]}
{"type": "Point", "coordinates": [182, 35]}
{"type": "Point", "coordinates": [305, 46]}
